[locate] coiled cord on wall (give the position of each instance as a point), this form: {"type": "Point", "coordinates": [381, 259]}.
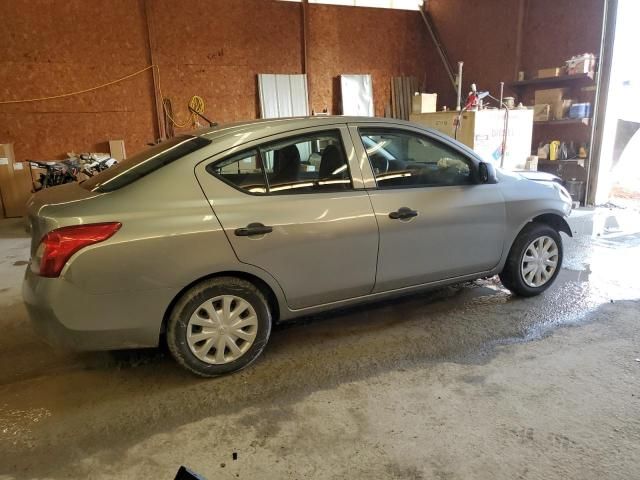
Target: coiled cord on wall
{"type": "Point", "coordinates": [196, 105]}
{"type": "Point", "coordinates": [70, 94]}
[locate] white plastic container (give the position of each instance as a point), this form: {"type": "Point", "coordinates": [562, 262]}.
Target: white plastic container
{"type": "Point", "coordinates": [424, 103]}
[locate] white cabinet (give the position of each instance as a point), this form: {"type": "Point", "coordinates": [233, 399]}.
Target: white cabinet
{"type": "Point", "coordinates": [483, 131]}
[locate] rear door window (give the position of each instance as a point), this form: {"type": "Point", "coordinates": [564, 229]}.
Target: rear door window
{"type": "Point", "coordinates": [242, 171]}
{"type": "Point", "coordinates": [311, 163]}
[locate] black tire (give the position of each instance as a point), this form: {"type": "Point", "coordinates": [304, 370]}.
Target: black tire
{"type": "Point", "coordinates": [192, 299]}
{"type": "Point", "coordinates": [511, 276]}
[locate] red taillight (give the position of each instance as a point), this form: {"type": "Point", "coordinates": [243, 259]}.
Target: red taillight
{"type": "Point", "coordinates": [59, 245]}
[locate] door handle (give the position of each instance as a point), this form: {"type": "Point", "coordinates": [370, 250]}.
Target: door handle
{"type": "Point", "coordinates": [253, 229]}
{"type": "Point", "coordinates": [403, 213]}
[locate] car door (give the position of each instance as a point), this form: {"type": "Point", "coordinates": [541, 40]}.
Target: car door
{"type": "Point", "coordinates": [294, 205]}
{"type": "Point", "coordinates": [436, 221]}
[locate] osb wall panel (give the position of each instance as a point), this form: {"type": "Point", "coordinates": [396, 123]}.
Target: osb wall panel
{"type": "Point", "coordinates": [215, 48]}
{"type": "Point", "coordinates": [555, 30]}
{"type": "Point", "coordinates": [346, 40]}
{"type": "Point", "coordinates": [51, 47]}
{"type": "Point", "coordinates": [210, 48]}
{"type": "Point", "coordinates": [483, 36]}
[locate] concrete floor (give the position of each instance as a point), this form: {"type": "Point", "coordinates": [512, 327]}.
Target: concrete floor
{"type": "Point", "coordinates": [465, 382]}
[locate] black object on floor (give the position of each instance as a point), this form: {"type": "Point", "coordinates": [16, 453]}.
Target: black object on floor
{"type": "Point", "coordinates": [185, 474]}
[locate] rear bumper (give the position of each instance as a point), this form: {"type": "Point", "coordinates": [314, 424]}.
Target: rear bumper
{"type": "Point", "coordinates": [67, 317]}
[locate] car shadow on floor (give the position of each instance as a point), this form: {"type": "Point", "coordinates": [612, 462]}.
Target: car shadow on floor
{"type": "Point", "coordinates": [337, 324]}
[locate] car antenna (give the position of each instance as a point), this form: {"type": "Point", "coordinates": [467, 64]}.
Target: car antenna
{"type": "Point", "coordinates": [211, 124]}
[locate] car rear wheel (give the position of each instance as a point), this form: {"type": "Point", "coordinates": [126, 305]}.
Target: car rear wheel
{"type": "Point", "coordinates": [219, 326]}
{"type": "Point", "coordinates": [534, 260]}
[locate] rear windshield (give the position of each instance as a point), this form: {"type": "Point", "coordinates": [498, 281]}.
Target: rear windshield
{"type": "Point", "coordinates": [144, 163]}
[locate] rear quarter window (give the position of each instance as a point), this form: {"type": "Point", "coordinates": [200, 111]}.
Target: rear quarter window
{"type": "Point", "coordinates": [144, 163]}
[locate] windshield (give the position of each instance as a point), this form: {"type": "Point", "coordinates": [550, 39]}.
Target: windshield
{"type": "Point", "coordinates": [144, 163]}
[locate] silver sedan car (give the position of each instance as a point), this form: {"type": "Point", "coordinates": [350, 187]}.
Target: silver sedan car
{"type": "Point", "coordinates": [208, 239]}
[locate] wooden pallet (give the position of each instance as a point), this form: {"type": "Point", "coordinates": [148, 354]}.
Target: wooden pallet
{"type": "Point", "coordinates": [402, 90]}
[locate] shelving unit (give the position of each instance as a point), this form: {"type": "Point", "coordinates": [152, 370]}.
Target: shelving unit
{"type": "Point", "coordinates": [569, 170]}
{"type": "Point", "coordinates": [578, 130]}
{"type": "Point", "coordinates": [544, 161]}
{"type": "Point", "coordinates": [565, 121]}
{"type": "Point", "coordinates": [550, 82]}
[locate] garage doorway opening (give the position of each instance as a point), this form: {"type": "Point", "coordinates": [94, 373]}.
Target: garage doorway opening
{"type": "Point", "coordinates": [619, 174]}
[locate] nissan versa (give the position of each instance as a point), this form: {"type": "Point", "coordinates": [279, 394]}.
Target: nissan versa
{"type": "Point", "coordinates": [209, 239]}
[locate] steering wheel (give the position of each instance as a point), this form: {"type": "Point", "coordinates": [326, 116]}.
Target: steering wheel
{"type": "Point", "coordinates": [376, 163]}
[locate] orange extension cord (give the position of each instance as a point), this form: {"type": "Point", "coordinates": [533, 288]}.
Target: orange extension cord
{"type": "Point", "coordinates": [196, 102]}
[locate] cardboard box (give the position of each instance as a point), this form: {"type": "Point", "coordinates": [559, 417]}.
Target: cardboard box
{"type": "Point", "coordinates": [531, 163]}
{"type": "Point", "coordinates": [541, 113]}
{"type": "Point", "coordinates": [116, 149]}
{"type": "Point", "coordinates": [15, 183]}
{"type": "Point", "coordinates": [555, 98]}
{"type": "Point", "coordinates": [424, 103]}
{"type": "Point", "coordinates": [550, 72]}
{"type": "Point", "coordinates": [561, 110]}
{"type": "Point", "coordinates": [550, 96]}
{"type": "Point", "coordinates": [543, 152]}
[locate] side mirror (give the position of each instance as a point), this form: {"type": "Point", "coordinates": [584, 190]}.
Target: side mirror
{"type": "Point", "coordinates": [483, 172]}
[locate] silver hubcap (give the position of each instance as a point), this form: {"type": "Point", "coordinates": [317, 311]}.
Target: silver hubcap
{"type": "Point", "coordinates": [222, 329]}
{"type": "Point", "coordinates": [539, 262]}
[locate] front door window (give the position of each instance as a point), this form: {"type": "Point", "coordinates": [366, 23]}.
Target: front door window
{"type": "Point", "coordinates": [404, 159]}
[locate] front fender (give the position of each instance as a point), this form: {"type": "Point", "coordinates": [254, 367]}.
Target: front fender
{"type": "Point", "coordinates": [554, 219]}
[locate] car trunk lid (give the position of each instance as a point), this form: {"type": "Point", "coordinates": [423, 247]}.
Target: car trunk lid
{"type": "Point", "coordinates": [46, 209]}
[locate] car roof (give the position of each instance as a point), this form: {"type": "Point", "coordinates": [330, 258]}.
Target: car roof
{"type": "Point", "coordinates": [257, 129]}
{"type": "Point", "coordinates": [274, 126]}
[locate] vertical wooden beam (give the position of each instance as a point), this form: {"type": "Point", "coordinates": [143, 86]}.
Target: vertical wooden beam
{"type": "Point", "coordinates": [522, 13]}
{"type": "Point", "coordinates": [304, 5]}
{"type": "Point", "coordinates": [394, 111]}
{"type": "Point", "coordinates": [160, 127]}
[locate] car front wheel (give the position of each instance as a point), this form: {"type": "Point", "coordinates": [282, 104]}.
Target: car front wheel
{"type": "Point", "coordinates": [219, 326]}
{"type": "Point", "coordinates": [534, 261]}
